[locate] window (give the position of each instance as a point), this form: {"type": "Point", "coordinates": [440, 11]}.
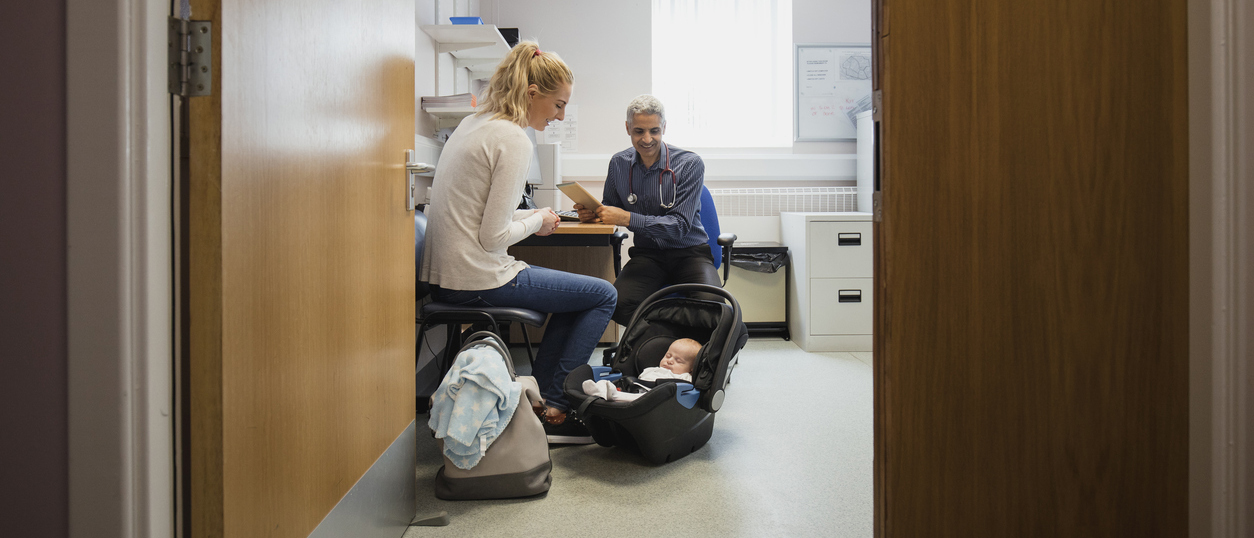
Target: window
{"type": "Point", "coordinates": [724, 71]}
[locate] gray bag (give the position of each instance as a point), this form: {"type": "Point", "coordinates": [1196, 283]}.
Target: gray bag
{"type": "Point", "coordinates": [517, 464]}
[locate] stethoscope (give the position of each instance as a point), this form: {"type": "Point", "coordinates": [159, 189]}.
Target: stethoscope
{"type": "Point", "coordinates": [631, 189]}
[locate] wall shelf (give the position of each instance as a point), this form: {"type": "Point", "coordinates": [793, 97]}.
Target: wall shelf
{"type": "Point", "coordinates": [450, 116]}
{"type": "Point", "coordinates": [470, 44]}
{"type": "Point", "coordinates": [475, 47]}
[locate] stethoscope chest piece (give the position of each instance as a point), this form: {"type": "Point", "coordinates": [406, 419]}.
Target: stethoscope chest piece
{"type": "Point", "coordinates": [631, 186]}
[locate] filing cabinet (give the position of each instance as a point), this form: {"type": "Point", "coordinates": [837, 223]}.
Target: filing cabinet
{"type": "Point", "coordinates": [830, 301]}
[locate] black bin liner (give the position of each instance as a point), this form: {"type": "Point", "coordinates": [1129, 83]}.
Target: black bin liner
{"type": "Point", "coordinates": [759, 262]}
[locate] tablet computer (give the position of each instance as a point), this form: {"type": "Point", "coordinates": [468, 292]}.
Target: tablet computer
{"type": "Point", "coordinates": [578, 194]}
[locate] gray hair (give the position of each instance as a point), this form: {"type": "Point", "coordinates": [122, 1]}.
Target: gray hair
{"type": "Point", "coordinates": [648, 105]}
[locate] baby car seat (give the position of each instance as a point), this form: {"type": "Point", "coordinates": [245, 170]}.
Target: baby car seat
{"type": "Point", "coordinates": [674, 418]}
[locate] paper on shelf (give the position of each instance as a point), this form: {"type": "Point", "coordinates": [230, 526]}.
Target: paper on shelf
{"type": "Point", "coordinates": [448, 101]}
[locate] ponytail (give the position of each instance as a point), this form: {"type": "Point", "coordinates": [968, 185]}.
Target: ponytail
{"type": "Point", "coordinates": [506, 95]}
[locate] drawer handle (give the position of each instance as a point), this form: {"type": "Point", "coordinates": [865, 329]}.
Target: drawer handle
{"type": "Point", "coordinates": [849, 239]}
{"type": "Point", "coordinates": [849, 296]}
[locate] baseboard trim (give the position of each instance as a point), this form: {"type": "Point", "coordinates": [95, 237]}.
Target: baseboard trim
{"type": "Point", "coordinates": [382, 502]}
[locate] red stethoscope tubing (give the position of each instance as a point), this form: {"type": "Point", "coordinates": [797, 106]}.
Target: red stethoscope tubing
{"type": "Point", "coordinates": [631, 189]}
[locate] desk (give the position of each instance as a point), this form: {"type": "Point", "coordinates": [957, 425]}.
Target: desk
{"type": "Point", "coordinates": [574, 247]}
{"type": "Point", "coordinates": [572, 234]}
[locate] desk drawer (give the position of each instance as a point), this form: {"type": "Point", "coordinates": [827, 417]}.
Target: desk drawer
{"type": "Point", "coordinates": [840, 306]}
{"type": "Point", "coordinates": [840, 249]}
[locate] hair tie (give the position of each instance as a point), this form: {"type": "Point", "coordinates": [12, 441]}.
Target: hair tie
{"type": "Point", "coordinates": [538, 52]}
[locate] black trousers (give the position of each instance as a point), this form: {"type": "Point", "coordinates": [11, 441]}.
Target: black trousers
{"type": "Point", "coordinates": [651, 269]}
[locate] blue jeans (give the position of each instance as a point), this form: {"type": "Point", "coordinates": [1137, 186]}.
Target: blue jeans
{"type": "Point", "coordinates": [580, 308]}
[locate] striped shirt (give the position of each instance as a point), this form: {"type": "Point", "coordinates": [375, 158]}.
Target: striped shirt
{"type": "Point", "coordinates": [655, 226]}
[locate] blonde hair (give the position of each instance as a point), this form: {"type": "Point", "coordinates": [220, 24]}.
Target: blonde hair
{"type": "Point", "coordinates": [506, 95]}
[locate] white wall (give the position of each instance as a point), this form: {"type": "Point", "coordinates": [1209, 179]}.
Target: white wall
{"type": "Point", "coordinates": [611, 57]}
{"type": "Point", "coordinates": [830, 21]}
{"type": "Point", "coordinates": [424, 66]}
{"type": "Point", "coordinates": [606, 44]}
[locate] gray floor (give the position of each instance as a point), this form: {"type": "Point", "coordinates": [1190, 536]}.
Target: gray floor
{"type": "Point", "coordinates": [790, 456]}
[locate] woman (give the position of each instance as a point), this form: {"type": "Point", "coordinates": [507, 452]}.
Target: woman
{"type": "Point", "coordinates": [472, 221]}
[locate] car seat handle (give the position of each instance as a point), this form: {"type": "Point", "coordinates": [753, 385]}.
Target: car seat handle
{"type": "Point", "coordinates": [691, 286]}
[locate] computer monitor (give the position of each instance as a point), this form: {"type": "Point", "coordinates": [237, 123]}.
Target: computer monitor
{"type": "Point", "coordinates": [550, 160]}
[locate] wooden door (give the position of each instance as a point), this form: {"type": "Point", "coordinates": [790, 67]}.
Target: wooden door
{"type": "Point", "coordinates": [302, 273]}
{"type": "Point", "coordinates": [1031, 346]}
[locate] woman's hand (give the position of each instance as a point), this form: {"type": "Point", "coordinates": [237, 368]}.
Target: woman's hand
{"type": "Point", "coordinates": [551, 220]}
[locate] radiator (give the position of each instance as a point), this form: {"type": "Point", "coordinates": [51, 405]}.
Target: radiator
{"type": "Point", "coordinates": [770, 202]}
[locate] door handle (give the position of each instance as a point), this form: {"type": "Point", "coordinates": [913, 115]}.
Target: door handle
{"type": "Point", "coordinates": [412, 170]}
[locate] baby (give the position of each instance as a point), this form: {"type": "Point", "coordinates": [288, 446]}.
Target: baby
{"type": "Point", "coordinates": [676, 364]}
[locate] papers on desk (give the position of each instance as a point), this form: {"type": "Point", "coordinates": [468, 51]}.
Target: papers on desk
{"type": "Point", "coordinates": [578, 194]}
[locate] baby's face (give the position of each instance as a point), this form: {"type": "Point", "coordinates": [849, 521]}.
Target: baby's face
{"type": "Point", "coordinates": [679, 357]}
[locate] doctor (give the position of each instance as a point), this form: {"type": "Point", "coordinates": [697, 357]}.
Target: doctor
{"type": "Point", "coordinates": [654, 189]}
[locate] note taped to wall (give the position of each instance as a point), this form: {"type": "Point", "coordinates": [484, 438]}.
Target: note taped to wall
{"type": "Point", "coordinates": [833, 84]}
{"type": "Point", "coordinates": [565, 132]}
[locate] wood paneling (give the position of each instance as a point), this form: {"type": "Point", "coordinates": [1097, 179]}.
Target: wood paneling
{"type": "Point", "coordinates": [205, 296]}
{"type": "Point", "coordinates": [302, 259]}
{"type": "Point", "coordinates": [1032, 363]}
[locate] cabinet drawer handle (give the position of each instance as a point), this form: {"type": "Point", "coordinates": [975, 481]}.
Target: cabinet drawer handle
{"type": "Point", "coordinates": [849, 296]}
{"type": "Point", "coordinates": [849, 239]}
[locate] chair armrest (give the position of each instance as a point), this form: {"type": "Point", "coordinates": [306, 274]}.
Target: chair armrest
{"type": "Point", "coordinates": [616, 244]}
{"type": "Point", "coordinates": [726, 240]}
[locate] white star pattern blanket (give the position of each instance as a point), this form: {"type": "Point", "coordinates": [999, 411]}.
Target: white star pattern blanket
{"type": "Point", "coordinates": [473, 405]}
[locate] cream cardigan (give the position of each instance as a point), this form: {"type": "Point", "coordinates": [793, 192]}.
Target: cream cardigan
{"type": "Point", "coordinates": [472, 217]}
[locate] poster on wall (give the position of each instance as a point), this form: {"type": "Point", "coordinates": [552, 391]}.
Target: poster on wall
{"type": "Point", "coordinates": [832, 84]}
{"type": "Point", "coordinates": [565, 132]}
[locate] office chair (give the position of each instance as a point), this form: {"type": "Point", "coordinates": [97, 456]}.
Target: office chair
{"type": "Point", "coordinates": [453, 317]}
{"type": "Point", "coordinates": [720, 243]}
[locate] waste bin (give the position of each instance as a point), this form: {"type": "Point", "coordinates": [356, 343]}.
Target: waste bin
{"type": "Point", "coordinates": [759, 281]}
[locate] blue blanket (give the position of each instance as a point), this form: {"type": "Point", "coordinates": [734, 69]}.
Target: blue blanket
{"type": "Point", "coordinates": [473, 405]}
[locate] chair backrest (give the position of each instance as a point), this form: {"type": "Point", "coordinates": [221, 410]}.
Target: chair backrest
{"type": "Point", "coordinates": [421, 289]}
{"type": "Point", "coordinates": [709, 221]}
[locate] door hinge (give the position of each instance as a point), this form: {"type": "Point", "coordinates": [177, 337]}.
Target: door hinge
{"type": "Point", "coordinates": [191, 57]}
{"type": "Point", "coordinates": [877, 206]}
